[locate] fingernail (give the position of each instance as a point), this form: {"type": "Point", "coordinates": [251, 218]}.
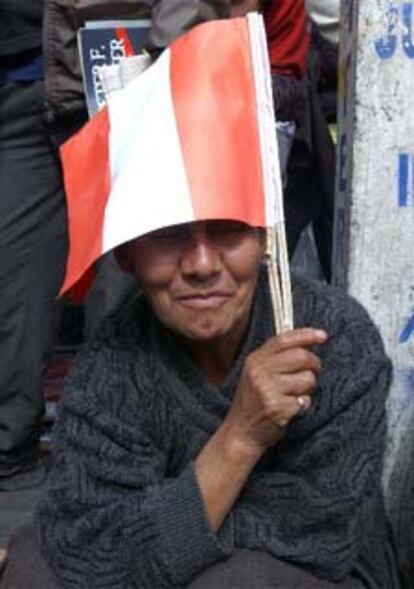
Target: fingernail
{"type": "Point", "coordinates": [320, 334]}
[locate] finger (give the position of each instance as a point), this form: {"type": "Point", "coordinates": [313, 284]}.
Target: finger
{"type": "Point", "coordinates": [292, 360]}
{"type": "Point", "coordinates": [295, 385]}
{"type": "Point", "coordinates": [288, 385]}
{"type": "Point", "coordinates": [304, 337]}
{"type": "Point", "coordinates": [293, 407]}
{"type": "Point", "coordinates": [305, 383]}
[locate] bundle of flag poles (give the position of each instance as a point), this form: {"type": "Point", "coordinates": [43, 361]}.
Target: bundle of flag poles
{"type": "Point", "coordinates": [191, 138]}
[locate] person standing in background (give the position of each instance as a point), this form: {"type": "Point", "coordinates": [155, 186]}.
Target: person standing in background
{"type": "Point", "coordinates": [326, 14]}
{"type": "Point", "coordinates": [33, 241]}
{"type": "Point", "coordinates": [325, 17]}
{"type": "Point", "coordinates": [288, 38]}
{"type": "Point", "coordinates": [310, 192]}
{"type": "Point", "coordinates": [287, 28]}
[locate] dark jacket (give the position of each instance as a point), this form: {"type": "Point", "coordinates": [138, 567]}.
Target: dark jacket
{"type": "Point", "coordinates": [62, 19]}
{"type": "Point", "coordinates": [21, 26]}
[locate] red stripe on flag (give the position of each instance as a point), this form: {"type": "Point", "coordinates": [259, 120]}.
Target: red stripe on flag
{"type": "Point", "coordinates": [81, 288]}
{"type": "Point", "coordinates": [122, 35]}
{"type": "Point", "coordinates": [85, 159]}
{"type": "Point", "coordinates": [215, 106]}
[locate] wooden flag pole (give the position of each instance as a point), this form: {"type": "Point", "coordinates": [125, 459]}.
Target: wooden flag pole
{"type": "Point", "coordinates": [277, 255]}
{"type": "Point", "coordinates": [279, 278]}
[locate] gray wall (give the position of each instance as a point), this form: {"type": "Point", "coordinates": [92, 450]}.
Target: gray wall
{"type": "Point", "coordinates": [374, 225]}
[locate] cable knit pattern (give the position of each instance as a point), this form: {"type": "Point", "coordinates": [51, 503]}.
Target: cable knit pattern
{"type": "Point", "coordinates": [123, 508]}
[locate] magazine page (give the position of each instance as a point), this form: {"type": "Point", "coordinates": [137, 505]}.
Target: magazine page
{"type": "Point", "coordinates": [103, 43]}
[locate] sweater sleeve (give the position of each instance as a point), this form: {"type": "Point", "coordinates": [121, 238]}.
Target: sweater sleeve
{"type": "Point", "coordinates": [110, 517]}
{"type": "Point", "coordinates": [323, 507]}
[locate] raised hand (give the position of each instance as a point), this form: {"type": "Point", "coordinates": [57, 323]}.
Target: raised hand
{"type": "Point", "coordinates": [276, 384]}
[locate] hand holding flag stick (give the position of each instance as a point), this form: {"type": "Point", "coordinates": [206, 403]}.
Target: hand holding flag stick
{"type": "Point", "coordinates": [191, 138]}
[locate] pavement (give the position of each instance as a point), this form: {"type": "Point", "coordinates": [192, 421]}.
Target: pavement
{"type": "Point", "coordinates": [15, 510]}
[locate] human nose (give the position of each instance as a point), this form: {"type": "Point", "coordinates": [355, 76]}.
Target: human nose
{"type": "Point", "coordinates": [201, 258]}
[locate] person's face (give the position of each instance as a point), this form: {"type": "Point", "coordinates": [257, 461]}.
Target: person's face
{"type": "Point", "coordinates": [242, 7]}
{"type": "Point", "coordinates": [199, 278]}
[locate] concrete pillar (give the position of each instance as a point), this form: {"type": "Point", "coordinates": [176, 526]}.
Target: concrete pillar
{"type": "Point", "coordinates": [374, 225]}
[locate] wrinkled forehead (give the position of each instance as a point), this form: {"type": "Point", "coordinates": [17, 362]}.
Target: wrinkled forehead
{"type": "Point", "coordinates": [169, 244]}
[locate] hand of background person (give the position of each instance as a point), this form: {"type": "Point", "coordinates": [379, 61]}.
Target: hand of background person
{"type": "Point", "coordinates": [277, 382]}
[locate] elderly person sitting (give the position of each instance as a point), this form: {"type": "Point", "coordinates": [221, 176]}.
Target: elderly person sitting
{"type": "Point", "coordinates": [197, 449]}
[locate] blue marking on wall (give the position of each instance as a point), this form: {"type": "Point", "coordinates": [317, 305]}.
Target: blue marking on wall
{"type": "Point", "coordinates": [405, 180]}
{"type": "Point", "coordinates": [349, 19]}
{"type": "Point", "coordinates": [407, 19]}
{"type": "Point", "coordinates": [386, 46]}
{"type": "Point", "coordinates": [343, 154]}
{"type": "Point", "coordinates": [339, 244]}
{"type": "Point", "coordinates": [408, 331]}
{"type": "Point", "coordinates": [403, 401]}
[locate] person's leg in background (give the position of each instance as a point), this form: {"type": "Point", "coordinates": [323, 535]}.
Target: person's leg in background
{"type": "Point", "coordinates": [285, 133]}
{"type": "Point", "coordinates": [33, 247]}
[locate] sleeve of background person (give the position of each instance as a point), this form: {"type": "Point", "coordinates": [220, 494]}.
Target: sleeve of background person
{"type": "Point", "coordinates": [288, 36]}
{"type": "Point", "coordinates": [111, 515]}
{"type": "Point", "coordinates": [171, 18]}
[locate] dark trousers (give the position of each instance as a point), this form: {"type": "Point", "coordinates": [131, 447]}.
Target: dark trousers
{"type": "Point", "coordinates": [306, 203]}
{"type": "Point", "coordinates": [245, 569]}
{"type": "Point", "coordinates": [33, 245]}
{"type": "Point", "coordinates": [251, 569]}
{"type": "Point", "coordinates": [33, 250]}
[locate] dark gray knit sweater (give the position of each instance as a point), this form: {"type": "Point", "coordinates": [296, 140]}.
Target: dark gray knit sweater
{"type": "Point", "coordinates": [123, 508]}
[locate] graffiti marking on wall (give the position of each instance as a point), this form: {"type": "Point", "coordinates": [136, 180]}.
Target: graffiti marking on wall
{"type": "Point", "coordinates": [339, 244]}
{"type": "Point", "coordinates": [408, 331]}
{"type": "Point", "coordinates": [387, 45]}
{"type": "Point", "coordinates": [399, 24]}
{"type": "Point", "coordinates": [405, 180]}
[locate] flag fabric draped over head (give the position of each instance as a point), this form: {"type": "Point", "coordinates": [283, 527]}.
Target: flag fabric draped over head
{"type": "Point", "coordinates": [186, 140]}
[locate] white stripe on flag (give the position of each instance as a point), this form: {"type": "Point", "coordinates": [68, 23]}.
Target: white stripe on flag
{"type": "Point", "coordinates": [267, 119]}
{"type": "Point", "coordinates": [145, 158]}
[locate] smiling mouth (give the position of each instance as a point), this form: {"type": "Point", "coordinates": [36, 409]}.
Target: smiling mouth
{"type": "Point", "coordinates": [204, 301]}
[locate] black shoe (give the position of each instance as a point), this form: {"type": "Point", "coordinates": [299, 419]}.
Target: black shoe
{"type": "Point", "coordinates": [25, 478]}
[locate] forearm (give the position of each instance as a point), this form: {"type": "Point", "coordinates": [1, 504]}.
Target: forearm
{"type": "Point", "coordinates": [221, 469]}
{"type": "Point", "coordinates": [264, 404]}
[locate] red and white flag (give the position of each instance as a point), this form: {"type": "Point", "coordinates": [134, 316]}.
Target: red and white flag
{"type": "Point", "coordinates": [191, 138]}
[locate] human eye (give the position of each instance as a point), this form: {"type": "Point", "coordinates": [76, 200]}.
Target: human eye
{"type": "Point", "coordinates": [228, 230]}
{"type": "Point", "coordinates": [174, 235]}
